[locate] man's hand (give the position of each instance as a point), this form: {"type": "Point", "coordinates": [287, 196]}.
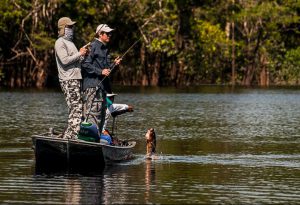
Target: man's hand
{"type": "Point", "coordinates": [105, 72]}
{"type": "Point", "coordinates": [130, 108]}
{"type": "Point", "coordinates": [117, 61]}
{"type": "Point", "coordinates": [83, 51]}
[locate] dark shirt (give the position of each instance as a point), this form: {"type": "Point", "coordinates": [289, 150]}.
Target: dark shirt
{"type": "Point", "coordinates": [97, 60]}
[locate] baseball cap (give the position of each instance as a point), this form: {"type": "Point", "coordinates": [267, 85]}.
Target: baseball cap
{"type": "Point", "coordinates": [62, 22]}
{"type": "Point", "coordinates": [104, 28]}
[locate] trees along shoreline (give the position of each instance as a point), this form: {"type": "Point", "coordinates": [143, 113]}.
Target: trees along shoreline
{"type": "Point", "coordinates": [183, 42]}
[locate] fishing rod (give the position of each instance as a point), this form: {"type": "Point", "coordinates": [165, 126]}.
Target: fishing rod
{"type": "Point", "coordinates": [122, 56]}
{"type": "Point", "coordinates": [99, 86]}
{"type": "Point", "coordinates": [114, 64]}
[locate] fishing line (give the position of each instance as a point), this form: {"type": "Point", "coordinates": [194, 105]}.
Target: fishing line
{"type": "Point", "coordinates": [100, 86]}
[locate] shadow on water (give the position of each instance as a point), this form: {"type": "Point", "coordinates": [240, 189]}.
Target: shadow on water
{"type": "Point", "coordinates": [87, 168]}
{"type": "Point", "coordinates": [65, 169]}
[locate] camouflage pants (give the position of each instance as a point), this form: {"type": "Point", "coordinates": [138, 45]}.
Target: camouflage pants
{"type": "Point", "coordinates": [71, 90]}
{"type": "Point", "coordinates": [95, 110]}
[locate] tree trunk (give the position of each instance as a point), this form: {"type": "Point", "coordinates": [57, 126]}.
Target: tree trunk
{"type": "Point", "coordinates": [155, 73]}
{"type": "Point", "coordinates": [264, 73]}
{"type": "Point", "coordinates": [41, 74]}
{"type": "Point", "coordinates": [145, 76]}
{"type": "Point", "coordinates": [232, 54]}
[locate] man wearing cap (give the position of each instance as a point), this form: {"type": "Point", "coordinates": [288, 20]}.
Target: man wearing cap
{"type": "Point", "coordinates": [68, 60]}
{"type": "Point", "coordinates": [95, 71]}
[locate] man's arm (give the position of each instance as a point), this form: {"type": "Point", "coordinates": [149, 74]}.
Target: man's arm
{"type": "Point", "coordinates": [62, 54]}
{"type": "Point", "coordinates": [88, 63]}
{"type": "Point", "coordinates": [118, 109]}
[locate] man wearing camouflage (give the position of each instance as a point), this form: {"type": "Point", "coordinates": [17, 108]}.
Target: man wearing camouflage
{"type": "Point", "coordinates": [68, 60]}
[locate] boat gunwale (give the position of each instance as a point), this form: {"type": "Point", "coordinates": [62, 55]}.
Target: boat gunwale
{"type": "Point", "coordinates": [78, 141]}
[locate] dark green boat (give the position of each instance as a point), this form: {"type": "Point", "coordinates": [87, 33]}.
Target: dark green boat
{"type": "Point", "coordinates": [50, 149]}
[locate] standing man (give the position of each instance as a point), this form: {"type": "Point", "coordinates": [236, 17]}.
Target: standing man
{"type": "Point", "coordinates": [68, 60]}
{"type": "Point", "coordinates": [95, 70]}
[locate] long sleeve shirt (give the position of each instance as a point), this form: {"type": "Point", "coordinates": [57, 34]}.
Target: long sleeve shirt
{"type": "Point", "coordinates": [68, 60]}
{"type": "Point", "coordinates": [92, 67]}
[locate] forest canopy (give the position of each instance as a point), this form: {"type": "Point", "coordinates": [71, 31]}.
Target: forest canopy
{"type": "Point", "coordinates": [182, 42]}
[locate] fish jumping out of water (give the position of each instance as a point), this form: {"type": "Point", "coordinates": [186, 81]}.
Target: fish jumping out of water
{"type": "Point", "coordinates": [150, 143]}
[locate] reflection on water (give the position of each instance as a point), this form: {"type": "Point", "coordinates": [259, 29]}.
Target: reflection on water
{"type": "Point", "coordinates": [149, 179]}
{"type": "Point", "coordinates": [214, 146]}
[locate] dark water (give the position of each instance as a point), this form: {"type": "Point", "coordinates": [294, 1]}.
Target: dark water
{"type": "Point", "coordinates": [216, 145]}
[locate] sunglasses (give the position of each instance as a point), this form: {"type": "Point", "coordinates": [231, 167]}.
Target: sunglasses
{"type": "Point", "coordinates": [108, 34]}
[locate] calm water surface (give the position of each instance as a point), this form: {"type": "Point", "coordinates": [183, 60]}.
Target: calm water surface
{"type": "Point", "coordinates": [216, 145]}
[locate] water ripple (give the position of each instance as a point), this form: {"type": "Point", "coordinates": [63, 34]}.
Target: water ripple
{"type": "Point", "coordinates": [249, 160]}
{"type": "Point", "coordinates": [225, 147]}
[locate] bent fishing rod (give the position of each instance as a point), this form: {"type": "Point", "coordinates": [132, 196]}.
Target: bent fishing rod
{"type": "Point", "coordinates": [99, 86]}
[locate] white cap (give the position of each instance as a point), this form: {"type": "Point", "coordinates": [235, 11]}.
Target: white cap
{"type": "Point", "coordinates": [104, 28]}
{"type": "Point", "coordinates": [111, 94]}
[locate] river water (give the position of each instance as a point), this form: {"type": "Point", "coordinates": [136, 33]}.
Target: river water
{"type": "Point", "coordinates": [216, 145]}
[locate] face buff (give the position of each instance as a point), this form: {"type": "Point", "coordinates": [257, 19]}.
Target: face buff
{"type": "Point", "coordinates": [69, 33]}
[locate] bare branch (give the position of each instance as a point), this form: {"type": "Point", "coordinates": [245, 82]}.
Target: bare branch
{"type": "Point", "coordinates": [146, 22]}
{"type": "Point", "coordinates": [149, 19]}
{"type": "Point", "coordinates": [18, 55]}
{"type": "Point", "coordinates": [17, 5]}
{"type": "Point", "coordinates": [23, 32]}
{"type": "Point", "coordinates": [31, 54]}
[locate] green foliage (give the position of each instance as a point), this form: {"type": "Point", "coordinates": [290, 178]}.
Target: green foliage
{"type": "Point", "coordinates": [212, 45]}
{"type": "Point", "coordinates": [291, 65]}
{"type": "Point", "coordinates": [161, 29]}
{"type": "Point", "coordinates": [188, 39]}
{"type": "Point", "coordinates": [12, 13]}
{"type": "Point", "coordinates": [42, 41]}
{"type": "Point", "coordinates": [209, 37]}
